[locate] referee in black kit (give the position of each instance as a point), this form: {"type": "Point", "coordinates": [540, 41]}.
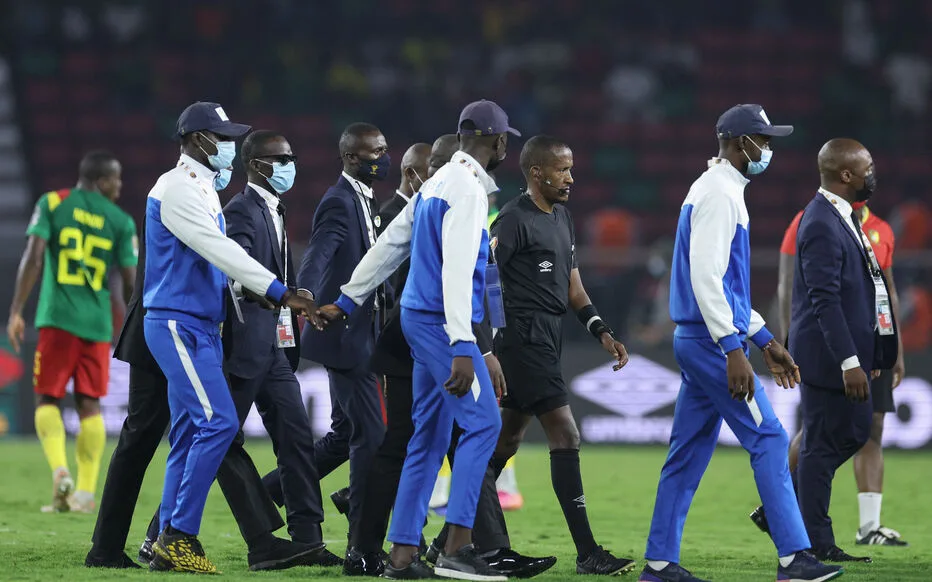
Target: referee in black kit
{"type": "Point", "coordinates": [534, 245]}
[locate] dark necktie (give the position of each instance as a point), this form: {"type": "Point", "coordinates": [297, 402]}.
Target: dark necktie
{"type": "Point", "coordinates": [284, 238]}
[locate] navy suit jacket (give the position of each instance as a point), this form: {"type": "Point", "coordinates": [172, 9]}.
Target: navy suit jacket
{"type": "Point", "coordinates": [250, 346]}
{"type": "Point", "coordinates": [833, 301]}
{"type": "Point", "coordinates": [339, 239]}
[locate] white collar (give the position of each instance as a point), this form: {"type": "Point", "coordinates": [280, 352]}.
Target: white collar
{"type": "Point", "coordinates": [271, 199]}
{"type": "Point", "coordinates": [403, 195]}
{"type": "Point", "coordinates": [841, 205]}
{"type": "Point", "coordinates": [360, 187]}
{"type": "Point", "coordinates": [198, 168]}
{"type": "Point", "coordinates": [487, 182]}
{"type": "Point", "coordinates": [733, 171]}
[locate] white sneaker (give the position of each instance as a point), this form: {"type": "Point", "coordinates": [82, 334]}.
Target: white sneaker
{"type": "Point", "coordinates": [62, 488]}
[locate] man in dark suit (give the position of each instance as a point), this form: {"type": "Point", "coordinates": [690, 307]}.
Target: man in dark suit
{"type": "Point", "coordinates": [146, 421]}
{"type": "Point", "coordinates": [262, 350]}
{"type": "Point", "coordinates": [842, 331]}
{"type": "Point", "coordinates": [343, 230]}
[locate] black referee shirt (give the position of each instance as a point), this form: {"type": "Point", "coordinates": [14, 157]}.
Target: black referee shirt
{"type": "Point", "coordinates": [535, 252]}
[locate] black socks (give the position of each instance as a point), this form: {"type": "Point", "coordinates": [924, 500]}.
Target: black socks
{"type": "Point", "coordinates": [567, 484]}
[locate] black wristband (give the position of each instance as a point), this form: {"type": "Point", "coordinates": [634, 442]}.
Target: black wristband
{"type": "Point", "coordinates": [589, 317]}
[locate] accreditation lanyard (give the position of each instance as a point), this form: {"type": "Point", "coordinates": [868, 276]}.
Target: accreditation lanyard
{"type": "Point", "coordinates": [883, 309]}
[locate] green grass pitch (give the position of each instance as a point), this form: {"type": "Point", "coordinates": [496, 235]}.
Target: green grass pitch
{"type": "Point", "coordinates": [720, 543]}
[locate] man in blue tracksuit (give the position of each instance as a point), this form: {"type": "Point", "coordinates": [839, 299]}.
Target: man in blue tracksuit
{"type": "Point", "coordinates": [710, 302]}
{"type": "Point", "coordinates": [444, 229]}
{"type": "Point", "coordinates": [188, 264]}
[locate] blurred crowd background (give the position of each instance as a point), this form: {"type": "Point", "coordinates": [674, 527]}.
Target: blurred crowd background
{"type": "Point", "coordinates": [635, 88]}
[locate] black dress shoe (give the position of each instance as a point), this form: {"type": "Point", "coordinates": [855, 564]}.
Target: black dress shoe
{"type": "Point", "coordinates": [836, 554]}
{"type": "Point", "coordinates": [282, 554]}
{"type": "Point", "coordinates": [120, 562]}
{"type": "Point", "coordinates": [325, 559]}
{"type": "Point", "coordinates": [514, 565]}
{"type": "Point", "coordinates": [341, 500]}
{"type": "Point", "coordinates": [760, 519]}
{"type": "Point", "coordinates": [362, 564]}
{"type": "Point", "coordinates": [145, 551]}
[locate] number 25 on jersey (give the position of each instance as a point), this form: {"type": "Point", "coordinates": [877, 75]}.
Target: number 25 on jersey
{"type": "Point", "coordinates": [77, 264]}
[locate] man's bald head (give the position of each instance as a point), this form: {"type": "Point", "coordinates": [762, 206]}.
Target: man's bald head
{"type": "Point", "coordinates": [414, 168]}
{"type": "Point", "coordinates": [443, 149]}
{"type": "Point", "coordinates": [844, 164]}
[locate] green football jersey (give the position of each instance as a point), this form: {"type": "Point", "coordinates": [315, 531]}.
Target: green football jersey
{"type": "Point", "coordinates": [86, 235]}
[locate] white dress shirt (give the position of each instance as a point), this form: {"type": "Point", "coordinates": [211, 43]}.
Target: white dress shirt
{"type": "Point", "coordinates": [845, 210]}
{"type": "Point", "coordinates": [403, 195]}
{"type": "Point", "coordinates": [272, 201]}
{"type": "Point", "coordinates": [365, 196]}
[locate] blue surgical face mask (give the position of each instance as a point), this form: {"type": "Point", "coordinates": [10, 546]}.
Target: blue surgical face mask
{"type": "Point", "coordinates": [223, 159]}
{"type": "Point", "coordinates": [222, 179]}
{"type": "Point", "coordinates": [282, 178]}
{"type": "Point", "coordinates": [765, 156]}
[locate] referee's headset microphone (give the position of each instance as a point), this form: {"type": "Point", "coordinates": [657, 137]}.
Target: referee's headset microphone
{"type": "Point", "coordinates": [563, 191]}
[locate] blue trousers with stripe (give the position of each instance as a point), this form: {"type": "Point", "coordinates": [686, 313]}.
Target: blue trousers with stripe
{"type": "Point", "coordinates": [702, 403]}
{"type": "Point", "coordinates": [203, 417]}
{"type": "Point", "coordinates": [433, 411]}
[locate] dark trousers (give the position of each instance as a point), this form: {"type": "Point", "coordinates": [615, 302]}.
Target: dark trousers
{"type": "Point", "coordinates": [145, 424]}
{"type": "Point", "coordinates": [357, 429]}
{"type": "Point", "coordinates": [834, 429]}
{"type": "Point", "coordinates": [277, 395]}
{"type": "Point", "coordinates": [489, 532]}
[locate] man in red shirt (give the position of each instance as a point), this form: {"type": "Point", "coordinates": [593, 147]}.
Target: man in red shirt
{"type": "Point", "coordinates": [868, 462]}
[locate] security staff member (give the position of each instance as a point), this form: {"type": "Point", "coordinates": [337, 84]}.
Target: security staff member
{"type": "Point", "coordinates": [533, 243]}
{"type": "Point", "coordinates": [392, 359]}
{"type": "Point", "coordinates": [189, 265]}
{"type": "Point", "coordinates": [145, 424]}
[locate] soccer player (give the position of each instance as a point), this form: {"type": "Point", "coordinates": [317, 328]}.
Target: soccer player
{"type": "Point", "coordinates": [76, 236]}
{"type": "Point", "coordinates": [189, 264]}
{"type": "Point", "coordinates": [868, 462]}
{"type": "Point", "coordinates": [533, 244]}
{"type": "Point", "coordinates": [710, 302]}
{"type": "Point", "coordinates": [444, 230]}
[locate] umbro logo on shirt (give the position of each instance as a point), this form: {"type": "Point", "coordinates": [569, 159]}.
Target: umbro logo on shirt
{"type": "Point", "coordinates": [546, 267]}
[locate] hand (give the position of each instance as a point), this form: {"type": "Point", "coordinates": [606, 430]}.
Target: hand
{"type": "Point", "coordinates": [899, 370]}
{"type": "Point", "coordinates": [781, 365]}
{"type": "Point", "coordinates": [616, 349]}
{"type": "Point", "coordinates": [301, 305]}
{"type": "Point", "coordinates": [741, 381]}
{"type": "Point", "coordinates": [16, 331]}
{"type": "Point", "coordinates": [462, 375]}
{"type": "Point", "coordinates": [498, 377]}
{"type": "Point", "coordinates": [857, 386]}
{"type": "Point", "coordinates": [875, 374]}
{"type": "Point", "coordinates": [256, 298]}
{"type": "Point", "coordinates": [331, 313]}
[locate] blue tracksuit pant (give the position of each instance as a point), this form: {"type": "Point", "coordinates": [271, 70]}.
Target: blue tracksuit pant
{"type": "Point", "coordinates": [203, 417]}
{"type": "Point", "coordinates": [433, 411]}
{"type": "Point", "coordinates": [702, 403]}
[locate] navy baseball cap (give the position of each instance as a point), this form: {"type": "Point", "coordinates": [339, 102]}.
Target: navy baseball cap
{"type": "Point", "coordinates": [748, 119]}
{"type": "Point", "coordinates": [206, 116]}
{"type": "Point", "coordinates": [489, 118]}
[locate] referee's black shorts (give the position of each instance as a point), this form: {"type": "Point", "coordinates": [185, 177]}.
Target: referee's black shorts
{"type": "Point", "coordinates": [529, 351]}
{"type": "Point", "coordinates": [881, 392]}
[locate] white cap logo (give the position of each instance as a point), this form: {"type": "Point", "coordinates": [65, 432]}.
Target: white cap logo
{"type": "Point", "coordinates": [223, 115]}
{"type": "Point", "coordinates": [764, 117]}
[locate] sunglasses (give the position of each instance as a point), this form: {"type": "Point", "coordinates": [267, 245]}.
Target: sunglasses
{"type": "Point", "coordinates": [282, 159]}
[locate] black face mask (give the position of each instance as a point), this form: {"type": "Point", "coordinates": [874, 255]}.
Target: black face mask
{"type": "Point", "coordinates": [864, 193]}
{"type": "Point", "coordinates": [495, 162]}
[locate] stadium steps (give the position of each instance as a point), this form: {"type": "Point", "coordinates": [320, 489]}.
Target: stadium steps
{"type": "Point", "coordinates": [14, 190]}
